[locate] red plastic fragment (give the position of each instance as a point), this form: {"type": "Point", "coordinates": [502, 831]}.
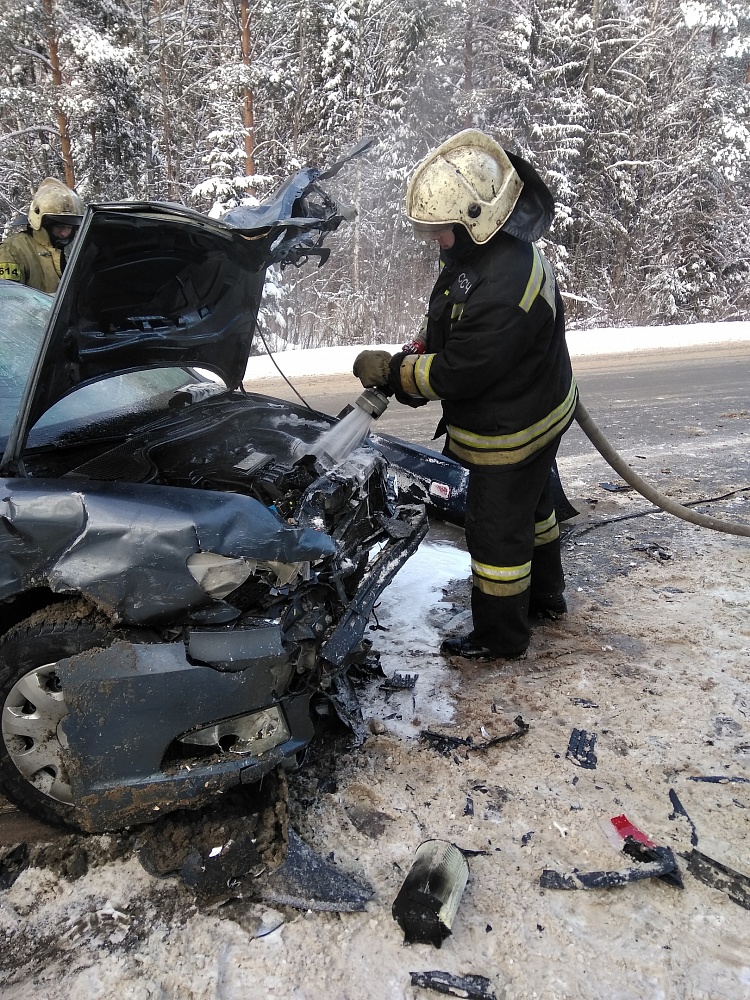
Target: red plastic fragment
{"type": "Point", "coordinates": [626, 829]}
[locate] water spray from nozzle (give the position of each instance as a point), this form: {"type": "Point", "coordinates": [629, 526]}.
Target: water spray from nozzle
{"type": "Point", "coordinates": [335, 444]}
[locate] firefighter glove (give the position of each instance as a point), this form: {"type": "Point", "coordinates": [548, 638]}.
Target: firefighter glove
{"type": "Point", "coordinates": [372, 368]}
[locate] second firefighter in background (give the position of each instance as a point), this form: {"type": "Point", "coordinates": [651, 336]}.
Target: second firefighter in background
{"type": "Point", "coordinates": [495, 356]}
{"type": "Point", "coordinates": [35, 254]}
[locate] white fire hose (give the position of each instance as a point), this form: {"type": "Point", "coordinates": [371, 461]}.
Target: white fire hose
{"type": "Point", "coordinates": [658, 499]}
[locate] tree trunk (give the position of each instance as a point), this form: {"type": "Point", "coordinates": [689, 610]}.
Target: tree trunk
{"type": "Point", "coordinates": [62, 118]}
{"type": "Point", "coordinates": [591, 68]}
{"type": "Point", "coordinates": [469, 65]}
{"type": "Point", "coordinates": [166, 117]}
{"type": "Point", "coordinates": [248, 113]}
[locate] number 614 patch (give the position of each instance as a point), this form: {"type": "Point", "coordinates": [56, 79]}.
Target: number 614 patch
{"type": "Point", "coordinates": [10, 270]}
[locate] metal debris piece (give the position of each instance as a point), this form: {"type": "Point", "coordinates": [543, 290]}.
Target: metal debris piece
{"type": "Point", "coordinates": [679, 810]}
{"type": "Point", "coordinates": [343, 698]}
{"type": "Point", "coordinates": [428, 899]}
{"type": "Point", "coordinates": [400, 682]}
{"type": "Point", "coordinates": [12, 864]}
{"type": "Point", "coordinates": [584, 702]}
{"type": "Point", "coordinates": [581, 749]}
{"type": "Point", "coordinates": [474, 987]}
{"type": "Point", "coordinates": [720, 779]}
{"type": "Point", "coordinates": [616, 487]}
{"type": "Point", "coordinates": [718, 876]}
{"type": "Point", "coordinates": [445, 744]}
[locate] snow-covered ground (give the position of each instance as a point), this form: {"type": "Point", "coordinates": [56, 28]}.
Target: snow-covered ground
{"type": "Point", "coordinates": [653, 659]}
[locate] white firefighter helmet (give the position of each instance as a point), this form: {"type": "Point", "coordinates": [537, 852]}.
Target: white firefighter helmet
{"type": "Point", "coordinates": [473, 181]}
{"type": "Point", "coordinates": [55, 202]}
{"type": "Point", "coordinates": [469, 179]}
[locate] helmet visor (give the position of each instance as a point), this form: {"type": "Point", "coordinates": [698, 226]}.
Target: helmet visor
{"type": "Point", "coordinates": [61, 220]}
{"type": "Point", "coordinates": [426, 231]}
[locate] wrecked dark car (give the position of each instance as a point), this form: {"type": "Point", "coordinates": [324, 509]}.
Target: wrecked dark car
{"type": "Point", "coordinates": [179, 576]}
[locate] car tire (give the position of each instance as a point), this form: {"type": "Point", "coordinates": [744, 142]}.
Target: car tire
{"type": "Point", "coordinates": [32, 706]}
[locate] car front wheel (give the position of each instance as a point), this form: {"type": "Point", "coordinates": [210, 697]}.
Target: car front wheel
{"type": "Point", "coordinates": [33, 768]}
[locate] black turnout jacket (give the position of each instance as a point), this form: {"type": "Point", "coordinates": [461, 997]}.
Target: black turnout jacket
{"type": "Point", "coordinates": [495, 352]}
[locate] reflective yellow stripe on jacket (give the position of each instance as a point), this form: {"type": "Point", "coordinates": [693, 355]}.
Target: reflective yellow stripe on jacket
{"type": "Point", "coordinates": [540, 270]}
{"type": "Point", "coordinates": [506, 449]}
{"type": "Point", "coordinates": [422, 376]}
{"type": "Point", "coordinates": [501, 581]}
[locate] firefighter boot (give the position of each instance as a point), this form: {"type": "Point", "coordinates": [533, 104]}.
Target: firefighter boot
{"type": "Point", "coordinates": [471, 649]}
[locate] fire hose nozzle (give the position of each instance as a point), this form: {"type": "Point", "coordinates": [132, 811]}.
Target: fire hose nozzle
{"type": "Point", "coordinates": [372, 401]}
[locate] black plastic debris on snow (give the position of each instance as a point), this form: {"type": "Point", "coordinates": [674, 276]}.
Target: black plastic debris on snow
{"type": "Point", "coordinates": [12, 864]}
{"type": "Point", "coordinates": [446, 744]}
{"type": "Point", "coordinates": [242, 848]}
{"type": "Point", "coordinates": [473, 987]}
{"type": "Point", "coordinates": [718, 876]}
{"type": "Point", "coordinates": [581, 749]}
{"type": "Point", "coordinates": [721, 779]}
{"type": "Point", "coordinates": [400, 682]}
{"type": "Point", "coordinates": [641, 848]}
{"type": "Point", "coordinates": [653, 854]}
{"type": "Point", "coordinates": [427, 901]}
{"type": "Point", "coordinates": [678, 810]}
{"type": "Point", "coordinates": [654, 862]}
{"type": "Point", "coordinates": [610, 879]}
{"type": "Point", "coordinates": [307, 881]}
{"type": "Point", "coordinates": [654, 550]}
{"type": "Point", "coordinates": [304, 880]}
{"type": "Point", "coordinates": [366, 667]}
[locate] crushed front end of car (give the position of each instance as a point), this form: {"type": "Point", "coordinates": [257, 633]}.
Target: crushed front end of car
{"type": "Point", "coordinates": [177, 583]}
{"type": "Point", "coordinates": [229, 613]}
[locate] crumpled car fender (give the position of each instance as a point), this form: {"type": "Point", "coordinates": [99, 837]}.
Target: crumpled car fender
{"type": "Point", "coordinates": [118, 541]}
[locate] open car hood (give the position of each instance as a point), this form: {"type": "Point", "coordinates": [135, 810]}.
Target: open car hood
{"type": "Point", "coordinates": [152, 285]}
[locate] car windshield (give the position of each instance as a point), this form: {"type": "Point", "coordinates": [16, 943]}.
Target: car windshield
{"type": "Point", "coordinates": [23, 317]}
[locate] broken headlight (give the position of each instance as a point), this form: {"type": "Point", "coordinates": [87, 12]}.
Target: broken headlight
{"type": "Point", "coordinates": [219, 575]}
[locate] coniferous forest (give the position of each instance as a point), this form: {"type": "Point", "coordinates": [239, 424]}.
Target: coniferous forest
{"type": "Point", "coordinates": [636, 112]}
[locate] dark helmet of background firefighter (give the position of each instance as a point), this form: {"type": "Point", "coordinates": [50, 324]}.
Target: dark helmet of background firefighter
{"type": "Point", "coordinates": [472, 181]}
{"type": "Point", "coordinates": [55, 205]}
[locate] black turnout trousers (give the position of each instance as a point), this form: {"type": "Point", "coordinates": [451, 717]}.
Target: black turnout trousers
{"type": "Point", "coordinates": [512, 534]}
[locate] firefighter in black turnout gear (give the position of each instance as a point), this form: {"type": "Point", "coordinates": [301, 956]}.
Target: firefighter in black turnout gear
{"type": "Point", "coordinates": [495, 356]}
